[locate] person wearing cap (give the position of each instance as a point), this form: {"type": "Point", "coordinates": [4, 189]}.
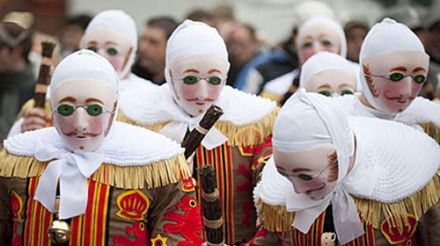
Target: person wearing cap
{"type": "Point", "coordinates": [392, 75]}
{"type": "Point", "coordinates": [196, 72]}
{"type": "Point", "coordinates": [328, 74]}
{"type": "Point", "coordinates": [336, 180]}
{"type": "Point", "coordinates": [117, 184]}
{"type": "Point", "coordinates": [112, 34]}
{"type": "Point", "coordinates": [317, 34]}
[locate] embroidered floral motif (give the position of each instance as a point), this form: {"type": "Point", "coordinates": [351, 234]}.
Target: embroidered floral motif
{"type": "Point", "coordinates": [139, 231]}
{"type": "Point", "coordinates": [404, 235]}
{"type": "Point", "coordinates": [132, 205]}
{"type": "Point", "coordinates": [188, 224]}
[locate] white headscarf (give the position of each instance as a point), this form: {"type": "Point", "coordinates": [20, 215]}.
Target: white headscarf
{"type": "Point", "coordinates": [321, 62]}
{"type": "Point", "coordinates": [193, 38]}
{"type": "Point", "coordinates": [121, 22]}
{"type": "Point", "coordinates": [84, 64]}
{"type": "Point", "coordinates": [331, 24]}
{"type": "Point", "coordinates": [306, 121]}
{"type": "Point", "coordinates": [386, 36]}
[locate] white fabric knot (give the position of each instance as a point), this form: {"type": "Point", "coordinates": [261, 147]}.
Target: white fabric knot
{"type": "Point", "coordinates": [72, 171]}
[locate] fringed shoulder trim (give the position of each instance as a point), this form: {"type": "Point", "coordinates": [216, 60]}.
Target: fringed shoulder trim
{"type": "Point", "coordinates": [245, 135]}
{"type": "Point", "coordinates": [374, 212]}
{"type": "Point", "coordinates": [432, 130]}
{"type": "Point", "coordinates": [272, 96]}
{"type": "Point", "coordinates": [156, 127]}
{"type": "Point", "coordinates": [249, 134]}
{"type": "Point", "coordinates": [276, 218]}
{"type": "Point", "coordinates": [150, 175]}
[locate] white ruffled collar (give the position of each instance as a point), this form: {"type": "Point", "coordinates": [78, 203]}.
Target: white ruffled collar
{"type": "Point", "coordinates": [421, 110]}
{"type": "Point", "coordinates": [134, 82]}
{"type": "Point", "coordinates": [158, 106]}
{"type": "Point", "coordinates": [385, 172]}
{"type": "Point", "coordinates": [125, 145]}
{"type": "Point", "coordinates": [280, 85]}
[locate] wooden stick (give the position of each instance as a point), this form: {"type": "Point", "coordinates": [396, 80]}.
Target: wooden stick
{"type": "Point", "coordinates": [212, 215]}
{"type": "Point", "coordinates": [195, 137]}
{"type": "Point", "coordinates": [43, 75]}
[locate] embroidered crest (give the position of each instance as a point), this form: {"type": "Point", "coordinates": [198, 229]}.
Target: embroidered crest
{"type": "Point", "coordinates": [188, 184]}
{"type": "Point", "coordinates": [138, 231]}
{"type": "Point", "coordinates": [132, 205]}
{"type": "Point", "coordinates": [159, 241]}
{"type": "Point", "coordinates": [395, 235]}
{"type": "Point", "coordinates": [188, 224]}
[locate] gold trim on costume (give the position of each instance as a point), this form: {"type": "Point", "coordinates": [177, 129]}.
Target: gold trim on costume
{"type": "Point", "coordinates": [246, 135]}
{"type": "Point", "coordinates": [277, 219]}
{"type": "Point", "coordinates": [432, 130]}
{"type": "Point", "coordinates": [150, 175]}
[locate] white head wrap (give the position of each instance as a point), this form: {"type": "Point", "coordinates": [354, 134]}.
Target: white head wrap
{"type": "Point", "coordinates": [306, 121]}
{"type": "Point", "coordinates": [193, 38]}
{"type": "Point", "coordinates": [72, 168]}
{"type": "Point", "coordinates": [331, 24]}
{"type": "Point", "coordinates": [121, 22]}
{"type": "Point", "coordinates": [307, 9]}
{"type": "Point", "coordinates": [84, 64]}
{"type": "Point", "coordinates": [386, 36]}
{"type": "Point", "coordinates": [321, 62]}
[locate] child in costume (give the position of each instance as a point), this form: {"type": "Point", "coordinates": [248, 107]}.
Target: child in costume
{"type": "Point", "coordinates": [349, 180]}
{"type": "Point", "coordinates": [238, 144]}
{"type": "Point", "coordinates": [328, 74]}
{"type": "Point", "coordinates": [112, 34]}
{"type": "Point", "coordinates": [117, 184]}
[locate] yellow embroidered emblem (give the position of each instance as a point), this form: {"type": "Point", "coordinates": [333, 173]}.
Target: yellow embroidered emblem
{"type": "Point", "coordinates": [396, 235]}
{"type": "Point", "coordinates": [133, 205]}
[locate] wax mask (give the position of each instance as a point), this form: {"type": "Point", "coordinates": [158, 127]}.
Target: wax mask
{"type": "Point", "coordinates": [315, 39]}
{"type": "Point", "coordinates": [82, 116]}
{"type": "Point", "coordinates": [111, 44]}
{"type": "Point", "coordinates": [197, 81]}
{"type": "Point", "coordinates": [332, 82]}
{"type": "Point", "coordinates": [313, 172]}
{"type": "Point", "coordinates": [395, 78]}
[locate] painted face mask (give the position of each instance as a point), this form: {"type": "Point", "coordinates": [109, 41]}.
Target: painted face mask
{"type": "Point", "coordinates": [113, 34]}
{"type": "Point", "coordinates": [83, 97]}
{"type": "Point", "coordinates": [197, 81]}
{"type": "Point", "coordinates": [111, 44]}
{"type": "Point", "coordinates": [328, 74]}
{"type": "Point", "coordinates": [332, 83]}
{"type": "Point", "coordinates": [83, 117]}
{"type": "Point", "coordinates": [312, 172]}
{"type": "Point", "coordinates": [395, 78]}
{"type": "Point", "coordinates": [320, 34]}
